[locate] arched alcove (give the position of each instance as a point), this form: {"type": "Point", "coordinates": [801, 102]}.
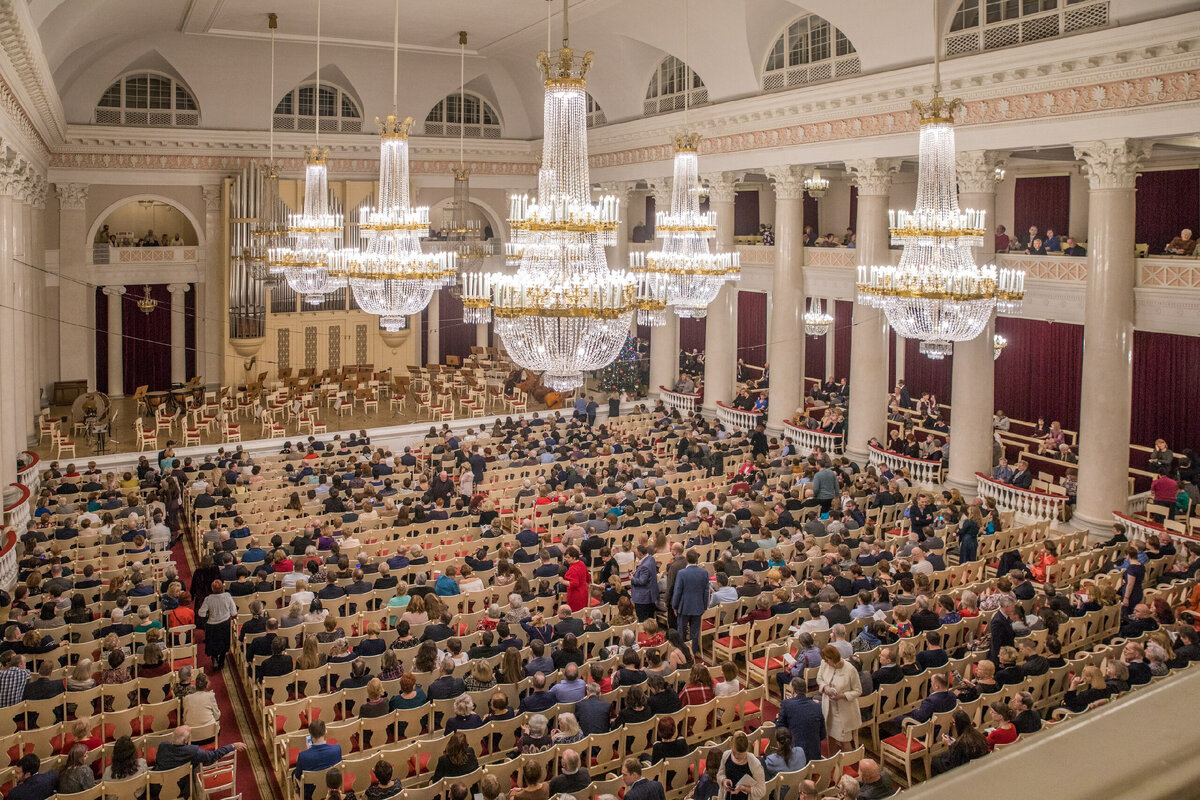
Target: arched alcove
{"type": "Point", "coordinates": [132, 218]}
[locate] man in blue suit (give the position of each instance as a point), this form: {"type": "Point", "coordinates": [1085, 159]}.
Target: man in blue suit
{"type": "Point", "coordinates": [690, 598]}
{"type": "Point", "coordinates": [940, 699]}
{"type": "Point", "coordinates": [318, 756]}
{"type": "Point", "coordinates": [644, 585]}
{"type": "Point", "coordinates": [804, 718]}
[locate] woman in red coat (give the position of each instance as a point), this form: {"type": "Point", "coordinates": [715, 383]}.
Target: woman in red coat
{"type": "Point", "coordinates": [578, 577]}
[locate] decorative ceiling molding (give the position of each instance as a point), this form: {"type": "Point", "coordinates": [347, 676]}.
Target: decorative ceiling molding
{"type": "Point", "coordinates": [132, 160]}
{"type": "Point", "coordinates": [27, 81]}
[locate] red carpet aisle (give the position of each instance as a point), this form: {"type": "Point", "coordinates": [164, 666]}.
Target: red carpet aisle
{"type": "Point", "coordinates": [255, 779]}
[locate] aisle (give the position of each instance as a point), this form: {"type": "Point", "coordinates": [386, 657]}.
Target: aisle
{"type": "Point", "coordinates": [255, 778]}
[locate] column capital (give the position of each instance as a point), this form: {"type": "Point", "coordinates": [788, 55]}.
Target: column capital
{"type": "Point", "coordinates": [212, 196]}
{"type": "Point", "coordinates": [114, 291]}
{"type": "Point", "coordinates": [1112, 163]}
{"type": "Point", "coordinates": [873, 176]}
{"type": "Point", "coordinates": [618, 189]}
{"type": "Point", "coordinates": [72, 196]}
{"type": "Point", "coordinates": [722, 185]}
{"type": "Point", "coordinates": [977, 171]}
{"type": "Point", "coordinates": [179, 288]}
{"type": "Point", "coordinates": [788, 180]}
{"type": "Point", "coordinates": [661, 189]}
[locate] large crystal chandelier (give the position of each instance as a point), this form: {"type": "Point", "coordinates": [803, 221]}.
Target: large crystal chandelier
{"type": "Point", "coordinates": [314, 235]}
{"type": "Point", "coordinates": [564, 312]}
{"type": "Point", "coordinates": [817, 321]}
{"type": "Point", "coordinates": [683, 273]}
{"type": "Point", "coordinates": [393, 278]}
{"type": "Point", "coordinates": [937, 294]}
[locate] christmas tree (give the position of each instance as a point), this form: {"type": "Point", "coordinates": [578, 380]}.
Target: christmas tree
{"type": "Point", "coordinates": [621, 376]}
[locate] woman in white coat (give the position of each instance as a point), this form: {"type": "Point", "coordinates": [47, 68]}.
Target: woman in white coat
{"type": "Point", "coordinates": [741, 775]}
{"type": "Point", "coordinates": [838, 683]}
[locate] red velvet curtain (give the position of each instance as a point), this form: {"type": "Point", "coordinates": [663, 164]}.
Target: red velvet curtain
{"type": "Point", "coordinates": [1166, 384]}
{"type": "Point", "coordinates": [745, 214]}
{"type": "Point", "coordinates": [189, 311]}
{"type": "Point", "coordinates": [1045, 202]}
{"type": "Point", "coordinates": [458, 337]}
{"type": "Point", "coordinates": [1040, 373]}
{"type": "Point", "coordinates": [691, 334]}
{"type": "Point", "coordinates": [1167, 202]}
{"type": "Point", "coordinates": [892, 376]}
{"type": "Point", "coordinates": [102, 341]}
{"type": "Point", "coordinates": [146, 340]}
{"type": "Point", "coordinates": [843, 328]}
{"type": "Point", "coordinates": [814, 356]}
{"type": "Point", "coordinates": [752, 328]}
{"type": "Point", "coordinates": [923, 374]}
{"type": "Point", "coordinates": [853, 223]}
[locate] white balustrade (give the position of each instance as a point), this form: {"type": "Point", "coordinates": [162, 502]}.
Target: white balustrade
{"type": "Point", "coordinates": [685, 404]}
{"type": "Point", "coordinates": [1136, 503]}
{"type": "Point", "coordinates": [736, 419]}
{"type": "Point", "coordinates": [30, 475]}
{"type": "Point", "coordinates": [923, 472]}
{"type": "Point", "coordinates": [8, 560]}
{"type": "Point", "coordinates": [1026, 502]}
{"type": "Point", "coordinates": [807, 438]}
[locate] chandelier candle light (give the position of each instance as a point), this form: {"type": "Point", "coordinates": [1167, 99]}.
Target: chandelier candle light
{"type": "Point", "coordinates": [937, 294]}
{"type": "Point", "coordinates": [564, 312]}
{"type": "Point", "coordinates": [816, 321]}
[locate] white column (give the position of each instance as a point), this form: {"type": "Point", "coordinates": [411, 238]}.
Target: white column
{"type": "Point", "coordinates": [664, 355]}
{"type": "Point", "coordinates": [901, 354]}
{"type": "Point", "coordinates": [618, 255]}
{"type": "Point", "coordinates": [481, 334]}
{"type": "Point", "coordinates": [433, 319]}
{"type": "Point", "coordinates": [116, 369]}
{"type": "Point", "coordinates": [212, 294]}
{"type": "Point", "coordinates": [12, 440]}
{"type": "Point", "coordinates": [76, 300]}
{"type": "Point", "coordinates": [1111, 166]}
{"type": "Point", "coordinates": [720, 329]}
{"type": "Point", "coordinates": [869, 340]}
{"type": "Point", "coordinates": [830, 340]}
{"type": "Point", "coordinates": [973, 378]}
{"type": "Point", "coordinates": [785, 333]}
{"type": "Point", "coordinates": [178, 332]}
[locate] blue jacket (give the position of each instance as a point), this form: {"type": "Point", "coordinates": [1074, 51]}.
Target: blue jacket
{"type": "Point", "coordinates": [691, 591]}
{"type": "Point", "coordinates": [644, 582]}
{"type": "Point", "coordinates": [445, 586]}
{"type": "Point", "coordinates": [935, 703]}
{"type": "Point", "coordinates": [316, 758]}
{"type": "Point", "coordinates": [804, 718]}
{"type": "Point", "coordinates": [592, 714]}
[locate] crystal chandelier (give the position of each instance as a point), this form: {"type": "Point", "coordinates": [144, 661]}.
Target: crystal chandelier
{"type": "Point", "coordinates": [816, 321]}
{"type": "Point", "coordinates": [683, 273]}
{"type": "Point", "coordinates": [564, 312]}
{"type": "Point", "coordinates": [998, 345]}
{"type": "Point", "coordinates": [147, 303]}
{"type": "Point", "coordinates": [815, 185]}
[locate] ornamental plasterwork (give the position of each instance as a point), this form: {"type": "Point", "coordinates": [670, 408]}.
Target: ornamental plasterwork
{"type": "Point", "coordinates": [830, 257]}
{"type": "Point", "coordinates": [756, 255]}
{"type": "Point", "coordinates": [1172, 273]}
{"type": "Point", "coordinates": [159, 255]}
{"type": "Point", "coordinates": [225, 163]}
{"type": "Point", "coordinates": [1048, 268]}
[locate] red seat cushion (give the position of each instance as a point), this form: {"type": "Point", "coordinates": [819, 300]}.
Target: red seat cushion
{"type": "Point", "coordinates": [761, 661]}
{"type": "Point", "coordinates": [732, 642]}
{"type": "Point", "coordinates": [413, 769]}
{"type": "Point", "coordinates": [851, 770]}
{"type": "Point", "coordinates": [751, 707]}
{"type": "Point", "coordinates": [901, 742]}
{"type": "Point", "coordinates": [707, 624]}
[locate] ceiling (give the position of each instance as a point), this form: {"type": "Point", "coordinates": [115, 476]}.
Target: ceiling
{"type": "Point", "coordinates": [219, 48]}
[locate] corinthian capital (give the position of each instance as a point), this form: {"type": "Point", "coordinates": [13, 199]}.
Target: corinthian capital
{"type": "Point", "coordinates": [72, 196]}
{"type": "Point", "coordinates": [977, 171]}
{"type": "Point", "coordinates": [618, 189]}
{"type": "Point", "coordinates": [661, 189]}
{"type": "Point", "coordinates": [722, 186]}
{"type": "Point", "coordinates": [212, 196]}
{"type": "Point", "coordinates": [1112, 163]}
{"type": "Point", "coordinates": [873, 175]}
{"type": "Point", "coordinates": [788, 180]}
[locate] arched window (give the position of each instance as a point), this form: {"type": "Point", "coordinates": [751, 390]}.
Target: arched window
{"type": "Point", "coordinates": [669, 84]}
{"type": "Point", "coordinates": [471, 113]}
{"type": "Point", "coordinates": [991, 24]}
{"type": "Point", "coordinates": [339, 111]}
{"type": "Point", "coordinates": [150, 99]}
{"type": "Point", "coordinates": [595, 114]}
{"type": "Point", "coordinates": [809, 51]}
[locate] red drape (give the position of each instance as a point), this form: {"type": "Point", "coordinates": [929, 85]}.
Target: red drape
{"type": "Point", "coordinates": [189, 312]}
{"type": "Point", "coordinates": [752, 328]}
{"type": "Point", "coordinates": [892, 376]}
{"type": "Point", "coordinates": [814, 356]}
{"type": "Point", "coordinates": [843, 328]}
{"type": "Point", "coordinates": [458, 337]}
{"type": "Point", "coordinates": [745, 214]}
{"type": "Point", "coordinates": [923, 374]}
{"type": "Point", "coordinates": [1167, 202]}
{"type": "Point", "coordinates": [1166, 384]}
{"type": "Point", "coordinates": [1040, 373]}
{"type": "Point", "coordinates": [102, 341]}
{"type": "Point", "coordinates": [853, 223]}
{"type": "Point", "coordinates": [424, 336]}
{"type": "Point", "coordinates": [146, 340]}
{"type": "Point", "coordinates": [691, 334]}
{"type": "Point", "coordinates": [1045, 202]}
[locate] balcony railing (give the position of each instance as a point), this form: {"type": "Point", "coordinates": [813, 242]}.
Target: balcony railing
{"type": "Point", "coordinates": [736, 418]}
{"type": "Point", "coordinates": [1143, 529]}
{"type": "Point", "coordinates": [923, 472]}
{"type": "Point", "coordinates": [685, 404]}
{"type": "Point", "coordinates": [808, 438]}
{"type": "Point", "coordinates": [1027, 502]}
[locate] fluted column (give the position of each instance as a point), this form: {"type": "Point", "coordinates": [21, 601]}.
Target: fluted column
{"type": "Point", "coordinates": [11, 362]}
{"type": "Point", "coordinates": [178, 332]}
{"type": "Point", "coordinates": [664, 341]}
{"type": "Point", "coordinates": [973, 374]}
{"type": "Point", "coordinates": [869, 340]}
{"type": "Point", "coordinates": [1111, 166]}
{"type": "Point", "coordinates": [116, 368]}
{"type": "Point", "coordinates": [785, 336]}
{"type": "Point", "coordinates": [212, 294]}
{"type": "Point", "coordinates": [830, 341]}
{"type": "Point", "coordinates": [76, 301]}
{"type": "Point", "coordinates": [720, 329]}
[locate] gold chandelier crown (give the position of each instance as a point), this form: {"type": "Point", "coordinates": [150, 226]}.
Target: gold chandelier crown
{"type": "Point", "coordinates": [687, 142]}
{"type": "Point", "coordinates": [392, 127]}
{"type": "Point", "coordinates": [937, 110]}
{"type": "Point", "coordinates": [566, 67]}
{"type": "Point", "coordinates": [315, 155]}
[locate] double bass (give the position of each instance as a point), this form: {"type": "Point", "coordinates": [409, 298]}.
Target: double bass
{"type": "Point", "coordinates": [533, 386]}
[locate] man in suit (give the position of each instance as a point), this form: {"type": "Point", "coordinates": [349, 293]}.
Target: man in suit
{"type": "Point", "coordinates": [1026, 719]}
{"type": "Point", "coordinates": [1023, 588]}
{"type": "Point", "coordinates": [319, 755]}
{"type": "Point", "coordinates": [1000, 629]}
{"type": "Point", "coordinates": [261, 645]}
{"type": "Point", "coordinates": [644, 584]}
{"type": "Point", "coordinates": [940, 699]}
{"type": "Point", "coordinates": [593, 713]}
{"type": "Point", "coordinates": [572, 778]}
{"type": "Point", "coordinates": [447, 686]}
{"type": "Point", "coordinates": [637, 786]}
{"type": "Point", "coordinates": [678, 562]}
{"type": "Point", "coordinates": [690, 598]}
{"type": "Point", "coordinates": [1022, 478]}
{"type": "Point", "coordinates": [567, 623]}
{"type": "Point", "coordinates": [804, 718]}
{"type": "Point", "coordinates": [440, 630]}
{"type": "Point", "coordinates": [539, 699]}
